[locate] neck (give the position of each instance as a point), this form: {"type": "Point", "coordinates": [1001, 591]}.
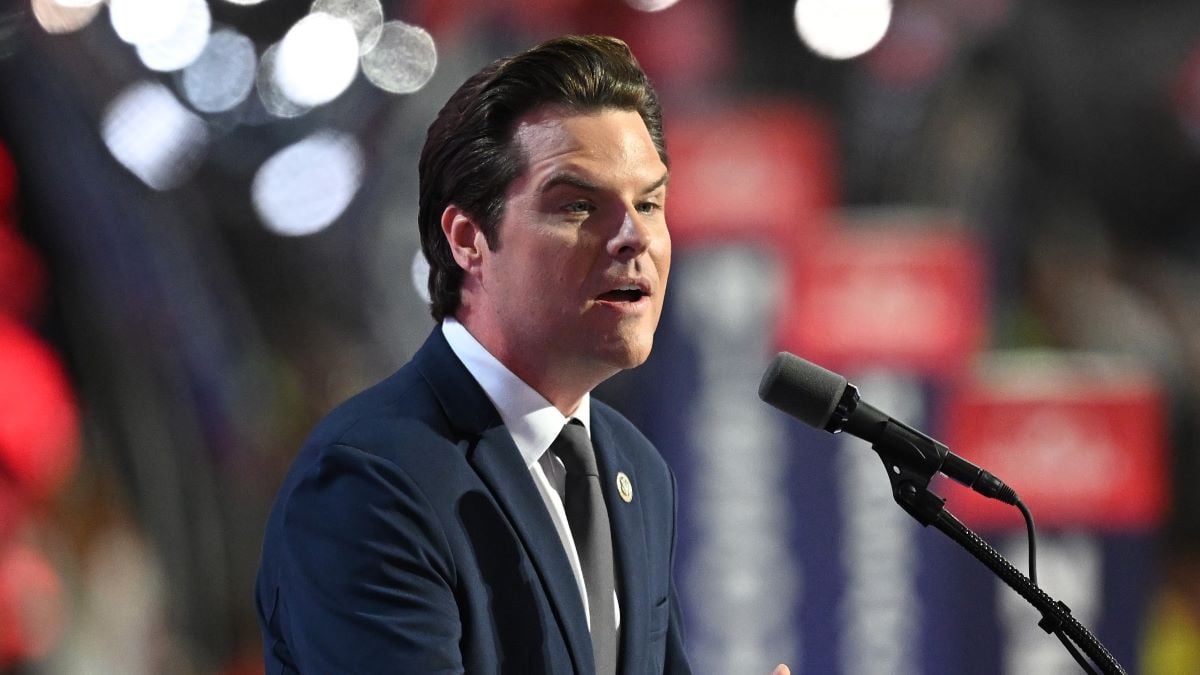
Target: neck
{"type": "Point", "coordinates": [563, 385]}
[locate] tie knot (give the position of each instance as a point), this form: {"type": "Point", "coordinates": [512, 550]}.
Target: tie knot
{"type": "Point", "coordinates": [574, 448]}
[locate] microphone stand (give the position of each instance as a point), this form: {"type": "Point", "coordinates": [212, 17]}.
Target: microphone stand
{"type": "Point", "coordinates": [910, 481]}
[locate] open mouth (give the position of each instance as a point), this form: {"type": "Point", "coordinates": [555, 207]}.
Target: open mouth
{"type": "Point", "coordinates": [622, 295]}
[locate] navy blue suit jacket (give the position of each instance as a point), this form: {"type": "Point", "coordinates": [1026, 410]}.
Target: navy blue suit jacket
{"type": "Point", "coordinates": [409, 537]}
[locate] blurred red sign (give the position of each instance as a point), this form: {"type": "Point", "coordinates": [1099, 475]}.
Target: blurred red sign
{"type": "Point", "coordinates": [753, 172]}
{"type": "Point", "coordinates": [894, 297]}
{"type": "Point", "coordinates": [1081, 439]}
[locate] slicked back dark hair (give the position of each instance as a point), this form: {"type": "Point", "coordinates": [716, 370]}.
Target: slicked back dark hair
{"type": "Point", "coordinates": [470, 157]}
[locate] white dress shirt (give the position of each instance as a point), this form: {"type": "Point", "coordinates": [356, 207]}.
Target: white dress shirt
{"type": "Point", "coordinates": [534, 423]}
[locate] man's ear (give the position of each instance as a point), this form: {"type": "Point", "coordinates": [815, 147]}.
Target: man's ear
{"type": "Point", "coordinates": [464, 236]}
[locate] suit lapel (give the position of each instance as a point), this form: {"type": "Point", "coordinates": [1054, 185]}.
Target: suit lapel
{"type": "Point", "coordinates": [498, 462]}
{"type": "Point", "coordinates": [629, 544]}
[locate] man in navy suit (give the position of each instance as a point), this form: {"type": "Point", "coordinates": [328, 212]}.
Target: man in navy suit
{"type": "Point", "coordinates": [423, 527]}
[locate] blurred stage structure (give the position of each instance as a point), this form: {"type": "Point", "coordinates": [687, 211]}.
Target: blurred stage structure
{"type": "Point", "coordinates": [984, 212]}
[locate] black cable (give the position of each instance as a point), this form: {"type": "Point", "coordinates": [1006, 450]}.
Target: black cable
{"type": "Point", "coordinates": [1079, 658]}
{"type": "Point", "coordinates": [1056, 616]}
{"type": "Point", "coordinates": [1033, 577]}
{"type": "Point", "coordinates": [1062, 637]}
{"type": "Point", "coordinates": [1032, 540]}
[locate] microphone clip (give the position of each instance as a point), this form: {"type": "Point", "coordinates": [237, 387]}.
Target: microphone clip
{"type": "Point", "coordinates": [911, 459]}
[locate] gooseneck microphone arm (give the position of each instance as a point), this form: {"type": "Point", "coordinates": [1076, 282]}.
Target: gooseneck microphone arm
{"type": "Point", "coordinates": [1056, 616]}
{"type": "Point", "coordinates": [825, 400]}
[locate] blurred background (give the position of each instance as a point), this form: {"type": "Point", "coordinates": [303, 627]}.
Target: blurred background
{"type": "Point", "coordinates": [984, 212]}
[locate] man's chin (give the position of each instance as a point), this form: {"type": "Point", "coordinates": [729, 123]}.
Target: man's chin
{"type": "Point", "coordinates": [630, 353]}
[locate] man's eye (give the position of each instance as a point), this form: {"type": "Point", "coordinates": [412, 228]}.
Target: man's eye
{"type": "Point", "coordinates": [579, 206]}
{"type": "Point", "coordinates": [648, 207]}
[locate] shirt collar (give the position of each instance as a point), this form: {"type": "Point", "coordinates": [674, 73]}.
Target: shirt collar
{"type": "Point", "coordinates": [532, 421]}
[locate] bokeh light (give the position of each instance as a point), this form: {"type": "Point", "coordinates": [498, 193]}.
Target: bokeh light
{"type": "Point", "coordinates": [651, 5]}
{"type": "Point", "coordinates": [143, 21]}
{"type": "Point", "coordinates": [842, 29]}
{"type": "Point", "coordinates": [420, 275]}
{"type": "Point", "coordinates": [364, 15]}
{"type": "Point", "coordinates": [153, 135]}
{"type": "Point", "coordinates": [303, 188]}
{"type": "Point", "coordinates": [39, 423]}
{"type": "Point", "coordinates": [33, 609]}
{"type": "Point", "coordinates": [184, 45]}
{"type": "Point", "coordinates": [244, 2]}
{"type": "Point", "coordinates": [403, 58]}
{"type": "Point", "coordinates": [273, 99]}
{"type": "Point", "coordinates": [317, 59]}
{"type": "Point", "coordinates": [223, 75]}
{"type": "Point", "coordinates": [59, 17]}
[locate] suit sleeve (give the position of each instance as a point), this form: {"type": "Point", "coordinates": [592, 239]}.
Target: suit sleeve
{"type": "Point", "coordinates": [675, 661]}
{"type": "Point", "coordinates": [367, 577]}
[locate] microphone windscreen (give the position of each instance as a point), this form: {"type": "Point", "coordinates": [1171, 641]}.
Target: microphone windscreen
{"type": "Point", "coordinates": [802, 389]}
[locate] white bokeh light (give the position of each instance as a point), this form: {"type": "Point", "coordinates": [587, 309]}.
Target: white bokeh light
{"type": "Point", "coordinates": [317, 59]}
{"type": "Point", "coordinates": [184, 45]}
{"type": "Point", "coordinates": [364, 15]}
{"type": "Point", "coordinates": [153, 135]}
{"type": "Point", "coordinates": [58, 17]}
{"type": "Point", "coordinates": [244, 2]}
{"type": "Point", "coordinates": [303, 188]}
{"type": "Point", "coordinates": [143, 21]}
{"type": "Point", "coordinates": [651, 5]}
{"type": "Point", "coordinates": [223, 75]}
{"type": "Point", "coordinates": [420, 275]}
{"type": "Point", "coordinates": [842, 29]}
{"type": "Point", "coordinates": [274, 101]}
{"type": "Point", "coordinates": [403, 59]}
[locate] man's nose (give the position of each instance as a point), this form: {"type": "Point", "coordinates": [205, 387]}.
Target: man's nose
{"type": "Point", "coordinates": [632, 237]}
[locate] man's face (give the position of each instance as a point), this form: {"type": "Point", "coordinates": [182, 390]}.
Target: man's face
{"type": "Point", "coordinates": [577, 280]}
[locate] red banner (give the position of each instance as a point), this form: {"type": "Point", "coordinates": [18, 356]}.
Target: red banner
{"type": "Point", "coordinates": [909, 298]}
{"type": "Point", "coordinates": [755, 172]}
{"type": "Point", "coordinates": [1081, 439]}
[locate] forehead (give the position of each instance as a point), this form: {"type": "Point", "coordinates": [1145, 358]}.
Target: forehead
{"type": "Point", "coordinates": [603, 141]}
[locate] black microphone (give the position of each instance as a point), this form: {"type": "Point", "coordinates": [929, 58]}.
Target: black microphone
{"type": "Point", "coordinates": [823, 399]}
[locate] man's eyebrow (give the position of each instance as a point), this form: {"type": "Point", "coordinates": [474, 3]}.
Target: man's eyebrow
{"type": "Point", "coordinates": [573, 180]}
{"type": "Point", "coordinates": [569, 179]}
{"type": "Point", "coordinates": [658, 183]}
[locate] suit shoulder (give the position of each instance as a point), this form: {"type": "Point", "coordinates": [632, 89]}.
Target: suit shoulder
{"type": "Point", "coordinates": [632, 439]}
{"type": "Point", "coordinates": [394, 418]}
{"type": "Point", "coordinates": [618, 422]}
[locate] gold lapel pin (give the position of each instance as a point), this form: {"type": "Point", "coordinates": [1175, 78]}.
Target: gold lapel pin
{"type": "Point", "coordinates": [624, 487]}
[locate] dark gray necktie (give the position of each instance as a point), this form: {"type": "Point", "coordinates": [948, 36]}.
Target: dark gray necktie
{"type": "Point", "coordinates": [588, 518]}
